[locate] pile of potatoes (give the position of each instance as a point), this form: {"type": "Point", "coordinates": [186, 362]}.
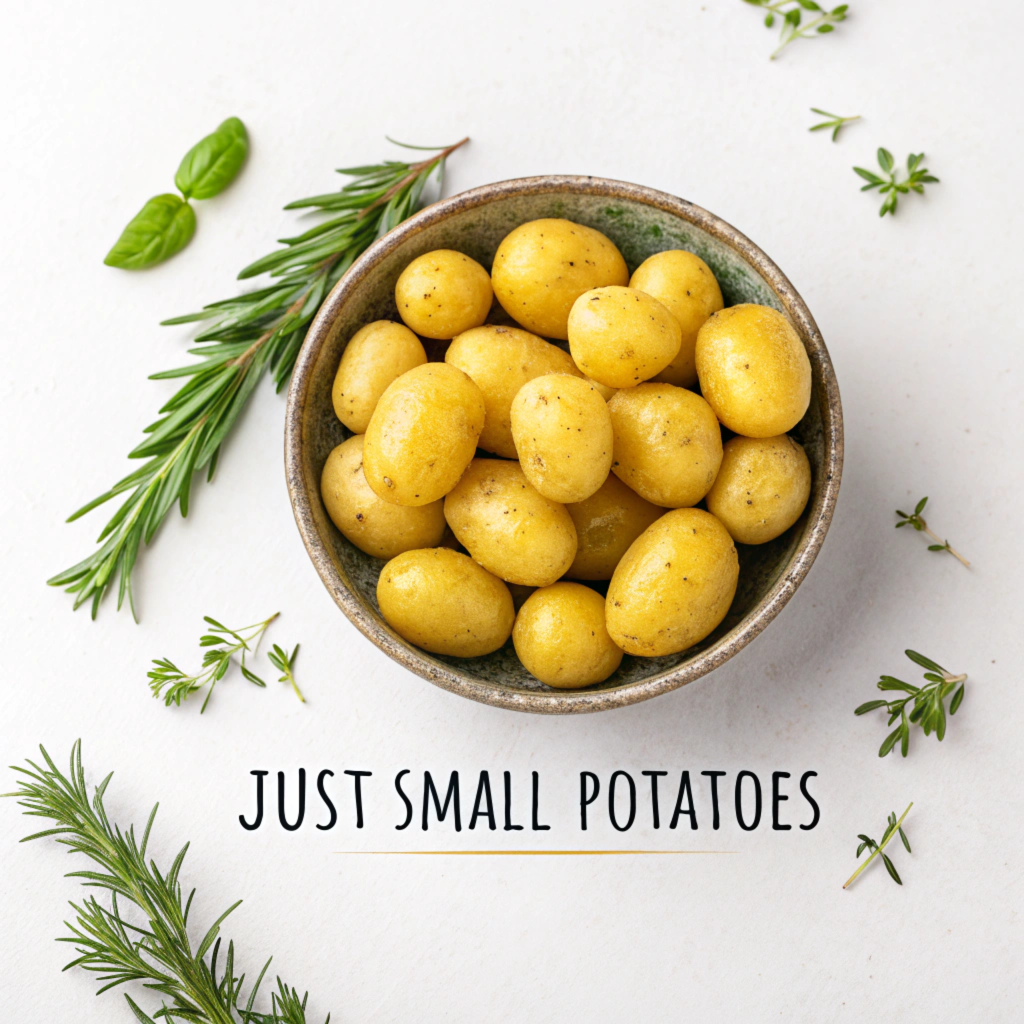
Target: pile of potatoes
{"type": "Point", "coordinates": [594, 460]}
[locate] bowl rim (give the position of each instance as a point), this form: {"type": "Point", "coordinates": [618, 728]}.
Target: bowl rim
{"type": "Point", "coordinates": [452, 678]}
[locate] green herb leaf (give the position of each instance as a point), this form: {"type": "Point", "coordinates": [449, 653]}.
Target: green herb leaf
{"type": "Point", "coordinates": [213, 162]}
{"type": "Point", "coordinates": [892, 826]}
{"type": "Point", "coordinates": [163, 227]}
{"type": "Point", "coordinates": [890, 867]}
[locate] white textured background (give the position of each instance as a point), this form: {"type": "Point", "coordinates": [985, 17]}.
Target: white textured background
{"type": "Point", "coordinates": [920, 314]}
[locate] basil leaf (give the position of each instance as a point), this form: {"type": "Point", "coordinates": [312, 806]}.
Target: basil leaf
{"type": "Point", "coordinates": [212, 163]}
{"type": "Point", "coordinates": [163, 227]}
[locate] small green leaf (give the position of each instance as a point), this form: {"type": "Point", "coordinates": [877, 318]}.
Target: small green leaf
{"type": "Point", "coordinates": [891, 869]}
{"type": "Point", "coordinates": [875, 180]}
{"type": "Point", "coordinates": [871, 705]}
{"type": "Point", "coordinates": [163, 227]}
{"type": "Point", "coordinates": [920, 659]}
{"type": "Point", "coordinates": [906, 842]}
{"type": "Point", "coordinates": [808, 5]}
{"type": "Point", "coordinates": [957, 700]}
{"type": "Point", "coordinates": [826, 28]}
{"type": "Point", "coordinates": [885, 160]}
{"type": "Point", "coordinates": [920, 506]}
{"type": "Point", "coordinates": [143, 1017]}
{"type": "Point", "coordinates": [213, 162]}
{"type": "Point", "coordinates": [889, 742]}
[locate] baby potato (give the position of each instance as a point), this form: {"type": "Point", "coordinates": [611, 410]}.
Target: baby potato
{"type": "Point", "coordinates": [561, 638]}
{"type": "Point", "coordinates": [542, 267]}
{"type": "Point", "coordinates": [563, 433]}
{"type": "Point", "coordinates": [762, 487]}
{"type": "Point", "coordinates": [442, 601]}
{"type": "Point", "coordinates": [443, 293]}
{"type": "Point", "coordinates": [508, 526]}
{"type": "Point", "coordinates": [621, 336]}
{"type": "Point", "coordinates": [500, 360]}
{"type": "Point", "coordinates": [606, 392]}
{"type": "Point", "coordinates": [606, 524]}
{"type": "Point", "coordinates": [376, 355]}
{"type": "Point", "coordinates": [374, 526]}
{"type": "Point", "coordinates": [674, 585]}
{"type": "Point", "coordinates": [684, 284]}
{"type": "Point", "coordinates": [423, 434]}
{"type": "Point", "coordinates": [753, 370]}
{"type": "Point", "coordinates": [668, 445]}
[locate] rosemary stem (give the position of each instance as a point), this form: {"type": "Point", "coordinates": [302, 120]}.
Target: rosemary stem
{"type": "Point", "coordinates": [880, 848]}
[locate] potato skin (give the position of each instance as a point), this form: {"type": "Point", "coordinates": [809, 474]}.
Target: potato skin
{"type": "Point", "coordinates": [563, 433]}
{"type": "Point", "coordinates": [543, 266]}
{"type": "Point", "coordinates": [443, 293]}
{"type": "Point", "coordinates": [377, 527]}
{"type": "Point", "coordinates": [508, 527]}
{"type": "Point", "coordinates": [753, 370]}
{"type": "Point", "coordinates": [762, 487]}
{"type": "Point", "coordinates": [668, 445]}
{"type": "Point", "coordinates": [500, 360]}
{"type": "Point", "coordinates": [442, 601]}
{"type": "Point", "coordinates": [621, 336]}
{"type": "Point", "coordinates": [561, 637]}
{"type": "Point", "coordinates": [684, 283]}
{"type": "Point", "coordinates": [422, 434]}
{"type": "Point", "coordinates": [376, 355]}
{"type": "Point", "coordinates": [674, 585]}
{"type": "Point", "coordinates": [606, 524]}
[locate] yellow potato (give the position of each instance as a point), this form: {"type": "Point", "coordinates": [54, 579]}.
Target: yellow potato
{"type": "Point", "coordinates": [674, 585]}
{"type": "Point", "coordinates": [668, 445]}
{"type": "Point", "coordinates": [444, 602]}
{"type": "Point", "coordinates": [753, 370]}
{"type": "Point", "coordinates": [621, 336]}
{"type": "Point", "coordinates": [561, 638]}
{"type": "Point", "coordinates": [542, 267]}
{"type": "Point", "coordinates": [683, 283]}
{"type": "Point", "coordinates": [376, 355]}
{"type": "Point", "coordinates": [377, 527]}
{"type": "Point", "coordinates": [508, 527]}
{"type": "Point", "coordinates": [606, 524]}
{"type": "Point", "coordinates": [500, 361]}
{"type": "Point", "coordinates": [563, 434]}
{"type": "Point", "coordinates": [443, 293]}
{"type": "Point", "coordinates": [606, 392]}
{"type": "Point", "coordinates": [423, 434]}
{"type": "Point", "coordinates": [762, 487]}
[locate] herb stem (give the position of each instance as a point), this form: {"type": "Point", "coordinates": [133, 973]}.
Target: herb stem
{"type": "Point", "coordinates": [880, 848]}
{"type": "Point", "coordinates": [414, 171]}
{"type": "Point", "coordinates": [944, 543]}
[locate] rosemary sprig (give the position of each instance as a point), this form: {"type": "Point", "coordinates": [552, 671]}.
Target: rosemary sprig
{"type": "Point", "coordinates": [246, 336]}
{"type": "Point", "coordinates": [835, 122]}
{"type": "Point", "coordinates": [917, 521]}
{"type": "Point", "coordinates": [285, 663]}
{"type": "Point", "coordinates": [221, 646]}
{"type": "Point", "coordinates": [890, 184]}
{"type": "Point", "coordinates": [929, 710]}
{"type": "Point", "coordinates": [155, 947]}
{"type": "Point", "coordinates": [790, 13]}
{"type": "Point", "coordinates": [892, 826]}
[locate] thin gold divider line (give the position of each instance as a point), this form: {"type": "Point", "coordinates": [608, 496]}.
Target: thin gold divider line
{"type": "Point", "coordinates": [528, 853]}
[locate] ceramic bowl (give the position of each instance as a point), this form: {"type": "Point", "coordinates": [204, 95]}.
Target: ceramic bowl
{"type": "Point", "coordinates": [640, 221]}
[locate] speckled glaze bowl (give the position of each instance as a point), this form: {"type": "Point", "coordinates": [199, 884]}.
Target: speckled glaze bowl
{"type": "Point", "coordinates": [640, 221]}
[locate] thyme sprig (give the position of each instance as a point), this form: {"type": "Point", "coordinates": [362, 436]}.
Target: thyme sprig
{"type": "Point", "coordinates": [929, 709]}
{"type": "Point", "coordinates": [892, 827]}
{"type": "Point", "coordinates": [221, 646]}
{"type": "Point", "coordinates": [246, 336]}
{"type": "Point", "coordinates": [153, 945]}
{"type": "Point", "coordinates": [285, 663]}
{"type": "Point", "coordinates": [918, 522]}
{"type": "Point", "coordinates": [890, 184]}
{"type": "Point", "coordinates": [791, 12]}
{"type": "Point", "coordinates": [835, 122]}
